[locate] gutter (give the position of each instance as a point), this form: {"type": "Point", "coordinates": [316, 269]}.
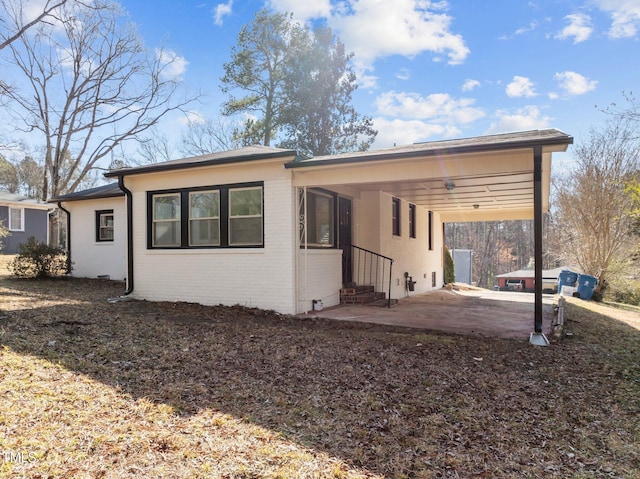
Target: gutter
{"type": "Point", "coordinates": [125, 295]}
{"type": "Point", "coordinates": [129, 196]}
{"type": "Point", "coordinates": [68, 213]}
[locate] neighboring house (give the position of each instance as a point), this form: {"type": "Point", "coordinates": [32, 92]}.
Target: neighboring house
{"type": "Point", "coordinates": [267, 228]}
{"type": "Point", "coordinates": [97, 231]}
{"type": "Point", "coordinates": [523, 280]}
{"type": "Point", "coordinates": [23, 217]}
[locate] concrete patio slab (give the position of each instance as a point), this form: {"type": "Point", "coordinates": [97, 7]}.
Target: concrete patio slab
{"type": "Point", "coordinates": [476, 311]}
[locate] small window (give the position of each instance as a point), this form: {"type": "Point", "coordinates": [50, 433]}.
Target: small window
{"type": "Point", "coordinates": [166, 220]}
{"type": "Point", "coordinates": [430, 233]}
{"type": "Point", "coordinates": [320, 221]}
{"type": "Point", "coordinates": [245, 216]}
{"type": "Point", "coordinates": [104, 225]}
{"type": "Point", "coordinates": [16, 219]}
{"type": "Point", "coordinates": [395, 216]}
{"type": "Point", "coordinates": [204, 218]}
{"type": "Point", "coordinates": [412, 221]}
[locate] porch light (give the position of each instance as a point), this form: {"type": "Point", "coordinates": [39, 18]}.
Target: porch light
{"type": "Point", "coordinates": [449, 185]}
{"type": "Point", "coordinates": [476, 206]}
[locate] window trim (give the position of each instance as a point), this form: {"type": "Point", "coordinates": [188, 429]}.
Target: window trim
{"type": "Point", "coordinates": [229, 217]}
{"type": "Point", "coordinates": [430, 232]}
{"type": "Point", "coordinates": [412, 220]}
{"type": "Point", "coordinates": [396, 230]}
{"type": "Point", "coordinates": [334, 225]}
{"type": "Point", "coordinates": [11, 217]}
{"type": "Point", "coordinates": [99, 228]}
{"type": "Point", "coordinates": [224, 217]}
{"type": "Point", "coordinates": [190, 219]}
{"type": "Point", "coordinates": [151, 221]}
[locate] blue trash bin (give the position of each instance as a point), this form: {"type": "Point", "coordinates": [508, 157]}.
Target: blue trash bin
{"type": "Point", "coordinates": [566, 278]}
{"type": "Point", "coordinates": [586, 286]}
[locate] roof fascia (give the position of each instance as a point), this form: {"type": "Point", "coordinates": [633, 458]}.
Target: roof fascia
{"type": "Point", "coordinates": [171, 166]}
{"type": "Point", "coordinates": [463, 149]}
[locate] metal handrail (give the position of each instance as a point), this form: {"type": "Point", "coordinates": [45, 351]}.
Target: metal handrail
{"type": "Point", "coordinates": [372, 265]}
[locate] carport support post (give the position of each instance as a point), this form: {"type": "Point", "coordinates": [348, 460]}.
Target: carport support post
{"type": "Point", "coordinates": [537, 337]}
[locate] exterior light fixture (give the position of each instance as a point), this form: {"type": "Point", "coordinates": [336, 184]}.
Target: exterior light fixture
{"type": "Point", "coordinates": [449, 185]}
{"type": "Point", "coordinates": [476, 206]}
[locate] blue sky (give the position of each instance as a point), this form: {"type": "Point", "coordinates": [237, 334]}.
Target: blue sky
{"type": "Point", "coordinates": [429, 70]}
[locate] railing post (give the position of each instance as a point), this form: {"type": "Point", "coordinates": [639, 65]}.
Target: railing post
{"type": "Point", "coordinates": [389, 295]}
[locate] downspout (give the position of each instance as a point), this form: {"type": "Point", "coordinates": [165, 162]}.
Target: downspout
{"type": "Point", "coordinates": [68, 213]}
{"type": "Point", "coordinates": [129, 196]}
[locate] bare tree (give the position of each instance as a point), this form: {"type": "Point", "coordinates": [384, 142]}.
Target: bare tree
{"type": "Point", "coordinates": [15, 21]}
{"type": "Point", "coordinates": [593, 203]}
{"type": "Point", "coordinates": [89, 86]}
{"type": "Point", "coordinates": [154, 147]}
{"type": "Point", "coordinates": [206, 137]}
{"type": "Point", "coordinates": [30, 177]}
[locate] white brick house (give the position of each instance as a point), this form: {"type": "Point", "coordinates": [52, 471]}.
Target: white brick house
{"type": "Point", "coordinates": [267, 228]}
{"type": "Point", "coordinates": [97, 231]}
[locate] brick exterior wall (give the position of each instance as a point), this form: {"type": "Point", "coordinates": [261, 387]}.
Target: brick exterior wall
{"type": "Point", "coordinates": [93, 258]}
{"type": "Point", "coordinates": [253, 277]}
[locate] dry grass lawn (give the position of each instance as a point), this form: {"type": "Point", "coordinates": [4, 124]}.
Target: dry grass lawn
{"type": "Point", "coordinates": [92, 389]}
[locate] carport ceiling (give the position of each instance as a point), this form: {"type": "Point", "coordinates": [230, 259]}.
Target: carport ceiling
{"type": "Point", "coordinates": [506, 191]}
{"type": "Point", "coordinates": [476, 179]}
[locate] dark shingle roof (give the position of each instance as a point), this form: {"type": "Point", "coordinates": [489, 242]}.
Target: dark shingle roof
{"type": "Point", "coordinates": [241, 155]}
{"type": "Point", "coordinates": [111, 190]}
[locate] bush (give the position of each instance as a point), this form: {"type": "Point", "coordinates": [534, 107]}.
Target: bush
{"type": "Point", "coordinates": [627, 293]}
{"type": "Point", "coordinates": [449, 270]}
{"type": "Point", "coordinates": [39, 260]}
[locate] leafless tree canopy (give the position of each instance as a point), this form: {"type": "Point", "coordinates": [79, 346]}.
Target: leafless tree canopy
{"type": "Point", "coordinates": [592, 218]}
{"type": "Point", "coordinates": [88, 85]}
{"type": "Point", "coordinates": [15, 21]}
{"type": "Point", "coordinates": [209, 136]}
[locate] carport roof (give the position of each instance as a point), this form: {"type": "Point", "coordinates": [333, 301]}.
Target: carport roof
{"type": "Point", "coordinates": [505, 141]}
{"type": "Point", "coordinates": [483, 178]}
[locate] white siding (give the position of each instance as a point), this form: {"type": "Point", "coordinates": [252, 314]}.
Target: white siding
{"type": "Point", "coordinates": [319, 278]}
{"type": "Point", "coordinates": [253, 277]}
{"type": "Point", "coordinates": [93, 258]}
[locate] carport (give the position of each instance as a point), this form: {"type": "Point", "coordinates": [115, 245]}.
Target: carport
{"type": "Point", "coordinates": [487, 178]}
{"type": "Point", "coordinates": [470, 312]}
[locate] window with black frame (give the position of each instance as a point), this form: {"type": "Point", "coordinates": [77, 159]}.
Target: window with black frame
{"type": "Point", "coordinates": [104, 225]}
{"type": "Point", "coordinates": [320, 220]}
{"type": "Point", "coordinates": [395, 216]}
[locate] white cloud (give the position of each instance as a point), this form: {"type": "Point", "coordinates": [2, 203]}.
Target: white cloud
{"type": "Point", "coordinates": [519, 87]}
{"type": "Point", "coordinates": [403, 74]}
{"type": "Point", "coordinates": [192, 118]}
{"type": "Point", "coordinates": [222, 10]}
{"type": "Point", "coordinates": [527, 118]}
{"type": "Point", "coordinates": [374, 29]}
{"type": "Point", "coordinates": [173, 65]}
{"type": "Point", "coordinates": [405, 132]}
{"type": "Point", "coordinates": [579, 28]}
{"type": "Point", "coordinates": [575, 84]}
{"type": "Point", "coordinates": [625, 16]}
{"type": "Point", "coordinates": [438, 106]}
{"type": "Point", "coordinates": [303, 10]}
{"type": "Point", "coordinates": [532, 26]}
{"type": "Point", "coordinates": [470, 84]}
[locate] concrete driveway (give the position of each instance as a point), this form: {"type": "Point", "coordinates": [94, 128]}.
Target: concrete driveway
{"type": "Point", "coordinates": [479, 312]}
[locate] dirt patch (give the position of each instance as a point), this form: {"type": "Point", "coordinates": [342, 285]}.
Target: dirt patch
{"type": "Point", "coordinates": [138, 389]}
